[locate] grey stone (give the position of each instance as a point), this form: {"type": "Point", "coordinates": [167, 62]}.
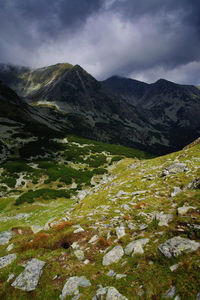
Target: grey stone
{"type": "Point", "coordinates": [176, 191]}
{"type": "Point", "coordinates": [111, 273]}
{"type": "Point", "coordinates": [5, 237]}
{"type": "Point", "coordinates": [7, 260]}
{"type": "Point", "coordinates": [10, 247]}
{"type": "Point", "coordinates": [194, 185]}
{"type": "Point", "coordinates": [136, 247]}
{"type": "Point", "coordinates": [79, 254]}
{"type": "Point", "coordinates": [72, 284]}
{"type": "Point", "coordinates": [170, 293]}
{"type": "Point", "coordinates": [174, 267]}
{"type": "Point", "coordinates": [184, 209]}
{"type": "Point", "coordinates": [28, 279]}
{"type": "Point", "coordinates": [10, 277]}
{"type": "Point", "coordinates": [120, 276]}
{"type": "Point", "coordinates": [198, 296]}
{"type": "Point", "coordinates": [178, 245]}
{"type": "Point", "coordinates": [163, 218]}
{"type": "Point", "coordinates": [120, 231]}
{"type": "Point", "coordinates": [113, 294]}
{"type": "Point", "coordinates": [174, 169]}
{"type": "Point", "coordinates": [93, 239]}
{"type": "Point", "coordinates": [113, 256]}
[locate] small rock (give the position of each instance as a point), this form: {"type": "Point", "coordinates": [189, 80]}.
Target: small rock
{"type": "Point", "coordinates": [79, 254]}
{"type": "Point", "coordinates": [198, 296]}
{"type": "Point", "coordinates": [28, 279]}
{"type": "Point", "coordinates": [120, 231]}
{"type": "Point", "coordinates": [111, 273]}
{"type": "Point", "coordinates": [170, 293]}
{"type": "Point", "coordinates": [93, 239]}
{"type": "Point", "coordinates": [176, 191]}
{"type": "Point", "coordinates": [10, 277]}
{"type": "Point", "coordinates": [113, 256]}
{"type": "Point", "coordinates": [184, 209]}
{"type": "Point", "coordinates": [5, 237]}
{"type": "Point", "coordinates": [86, 262]}
{"type": "Point", "coordinates": [163, 218]}
{"type": "Point", "coordinates": [80, 229]}
{"type": "Point", "coordinates": [174, 169]}
{"type": "Point", "coordinates": [194, 185]}
{"type": "Point", "coordinates": [120, 276]}
{"type": "Point", "coordinates": [72, 284]}
{"type": "Point", "coordinates": [10, 247]}
{"type": "Point", "coordinates": [136, 247]}
{"type": "Point", "coordinates": [7, 260]}
{"type": "Point", "coordinates": [178, 245]}
{"type": "Point", "coordinates": [174, 267]}
{"type": "Point", "coordinates": [113, 294]}
{"type": "Point", "coordinates": [36, 228]}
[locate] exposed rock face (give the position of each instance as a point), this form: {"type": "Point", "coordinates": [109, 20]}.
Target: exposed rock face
{"type": "Point", "coordinates": [153, 117]}
{"type": "Point", "coordinates": [174, 169]}
{"type": "Point", "coordinates": [7, 260]}
{"type": "Point", "coordinates": [136, 247]}
{"type": "Point", "coordinates": [113, 256]}
{"type": "Point", "coordinates": [178, 245]}
{"type": "Point", "coordinates": [28, 279]}
{"type": "Point", "coordinates": [5, 237]}
{"type": "Point", "coordinates": [72, 284]}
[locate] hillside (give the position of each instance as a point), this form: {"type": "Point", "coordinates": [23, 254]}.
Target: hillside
{"type": "Point", "coordinates": [158, 118]}
{"type": "Point", "coordinates": [89, 219]}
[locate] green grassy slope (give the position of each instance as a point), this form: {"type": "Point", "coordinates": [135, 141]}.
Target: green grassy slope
{"type": "Point", "coordinates": [128, 191]}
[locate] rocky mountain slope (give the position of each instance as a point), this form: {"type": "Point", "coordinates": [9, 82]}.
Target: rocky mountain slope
{"type": "Point", "coordinates": [89, 220]}
{"type": "Point", "coordinates": [159, 118]}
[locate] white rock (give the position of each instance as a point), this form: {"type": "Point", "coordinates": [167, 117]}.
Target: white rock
{"type": "Point", "coordinates": [113, 256]}
{"type": "Point", "coordinates": [5, 237]}
{"type": "Point", "coordinates": [10, 247]}
{"type": "Point", "coordinates": [28, 279]}
{"type": "Point", "coordinates": [7, 260]}
{"type": "Point", "coordinates": [10, 277]}
{"type": "Point", "coordinates": [79, 254]}
{"type": "Point", "coordinates": [72, 284]}
{"type": "Point", "coordinates": [136, 247]}
{"type": "Point", "coordinates": [184, 209]}
{"type": "Point", "coordinates": [176, 191]}
{"type": "Point", "coordinates": [93, 239]}
{"type": "Point", "coordinates": [120, 231]}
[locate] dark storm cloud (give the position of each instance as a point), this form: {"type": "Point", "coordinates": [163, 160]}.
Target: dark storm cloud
{"type": "Point", "coordinates": [144, 39]}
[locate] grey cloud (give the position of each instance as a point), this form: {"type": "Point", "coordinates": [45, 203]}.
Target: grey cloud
{"type": "Point", "coordinates": [136, 38]}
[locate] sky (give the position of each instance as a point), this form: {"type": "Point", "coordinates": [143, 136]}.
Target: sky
{"type": "Point", "coordinates": [140, 39]}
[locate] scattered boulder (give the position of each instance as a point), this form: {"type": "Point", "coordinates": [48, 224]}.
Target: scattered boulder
{"type": "Point", "coordinates": [28, 279]}
{"type": "Point", "coordinates": [7, 260]}
{"type": "Point", "coordinates": [120, 231]}
{"type": "Point", "coordinates": [198, 296]}
{"type": "Point", "coordinates": [184, 209]}
{"type": "Point", "coordinates": [79, 254]}
{"type": "Point", "coordinates": [10, 277]}
{"type": "Point", "coordinates": [194, 185]}
{"type": "Point", "coordinates": [113, 256]}
{"type": "Point", "coordinates": [5, 237]}
{"type": "Point", "coordinates": [170, 293]}
{"type": "Point", "coordinates": [136, 247]}
{"type": "Point", "coordinates": [163, 218]}
{"type": "Point", "coordinates": [10, 247]}
{"type": "Point", "coordinates": [178, 245]}
{"type": "Point", "coordinates": [110, 292]}
{"type": "Point", "coordinates": [72, 284]}
{"type": "Point", "coordinates": [176, 191]}
{"type": "Point", "coordinates": [93, 239]}
{"type": "Point", "coordinates": [174, 169]}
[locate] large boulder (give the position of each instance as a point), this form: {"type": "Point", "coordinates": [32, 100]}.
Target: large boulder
{"type": "Point", "coordinates": [136, 247]}
{"type": "Point", "coordinates": [113, 256]}
{"type": "Point", "coordinates": [28, 279]}
{"type": "Point", "coordinates": [178, 245]}
{"type": "Point", "coordinates": [72, 284]}
{"type": "Point", "coordinates": [174, 169]}
{"type": "Point", "coordinates": [108, 293]}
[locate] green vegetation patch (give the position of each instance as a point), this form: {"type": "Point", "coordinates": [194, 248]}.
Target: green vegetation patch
{"type": "Point", "coordinates": [43, 194]}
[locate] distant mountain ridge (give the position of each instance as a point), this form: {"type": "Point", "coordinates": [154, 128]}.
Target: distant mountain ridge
{"type": "Point", "coordinates": [161, 117]}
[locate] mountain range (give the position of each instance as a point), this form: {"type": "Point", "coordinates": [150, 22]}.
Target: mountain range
{"type": "Point", "coordinates": [161, 117]}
